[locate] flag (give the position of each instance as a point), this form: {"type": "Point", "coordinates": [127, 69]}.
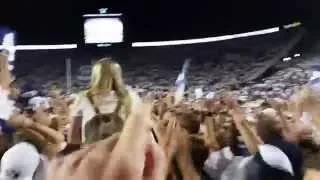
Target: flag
{"type": "Point", "coordinates": [9, 45]}
{"type": "Point", "coordinates": [180, 84]}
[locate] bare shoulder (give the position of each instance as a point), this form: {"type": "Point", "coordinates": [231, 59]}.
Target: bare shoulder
{"type": "Point", "coordinates": [80, 99]}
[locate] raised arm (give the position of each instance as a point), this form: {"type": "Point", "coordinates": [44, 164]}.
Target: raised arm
{"type": "Point", "coordinates": [51, 134]}
{"type": "Point", "coordinates": [74, 133]}
{"type": "Point", "coordinates": [249, 137]}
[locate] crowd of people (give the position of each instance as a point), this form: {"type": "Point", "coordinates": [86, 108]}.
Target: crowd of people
{"type": "Point", "coordinates": [108, 132]}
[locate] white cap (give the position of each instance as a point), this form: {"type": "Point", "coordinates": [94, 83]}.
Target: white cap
{"type": "Point", "coordinates": [29, 94]}
{"type": "Point", "coordinates": [276, 158]}
{"type": "Point", "coordinates": [20, 162]}
{"type": "Point", "coordinates": [38, 101]}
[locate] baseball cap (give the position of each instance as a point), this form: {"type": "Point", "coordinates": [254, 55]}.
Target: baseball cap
{"type": "Point", "coordinates": [38, 101]}
{"type": "Point", "coordinates": [20, 162]}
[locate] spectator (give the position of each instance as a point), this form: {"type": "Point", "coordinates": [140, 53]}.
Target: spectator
{"type": "Point", "coordinates": [22, 162]}
{"type": "Point", "coordinates": [107, 94]}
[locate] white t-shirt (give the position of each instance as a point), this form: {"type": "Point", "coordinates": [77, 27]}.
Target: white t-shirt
{"type": "Point", "coordinates": [107, 105]}
{"type": "Point", "coordinates": [7, 107]}
{"type": "Point", "coordinates": [217, 162]}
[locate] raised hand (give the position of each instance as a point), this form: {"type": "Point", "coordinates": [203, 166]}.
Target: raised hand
{"type": "Point", "coordinates": [5, 74]}
{"type": "Point", "coordinates": [211, 136]}
{"type": "Point", "coordinates": [184, 159]}
{"type": "Point", "coordinates": [20, 121]}
{"type": "Point", "coordinates": [131, 155]}
{"type": "Point", "coordinates": [167, 131]}
{"type": "Point", "coordinates": [249, 137]}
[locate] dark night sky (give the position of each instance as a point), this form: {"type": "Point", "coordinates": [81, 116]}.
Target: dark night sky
{"type": "Point", "coordinates": [60, 21]}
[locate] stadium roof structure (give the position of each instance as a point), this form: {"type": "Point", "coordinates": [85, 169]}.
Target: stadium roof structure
{"type": "Point", "coordinates": [61, 21]}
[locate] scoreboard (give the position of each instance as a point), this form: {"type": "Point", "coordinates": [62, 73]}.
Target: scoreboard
{"type": "Point", "coordinates": [103, 29]}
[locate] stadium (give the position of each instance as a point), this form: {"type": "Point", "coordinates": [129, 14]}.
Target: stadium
{"type": "Point", "coordinates": [223, 90]}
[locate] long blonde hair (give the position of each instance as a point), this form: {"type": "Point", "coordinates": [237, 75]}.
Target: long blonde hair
{"type": "Point", "coordinates": [106, 76]}
{"type": "Point", "coordinates": [307, 100]}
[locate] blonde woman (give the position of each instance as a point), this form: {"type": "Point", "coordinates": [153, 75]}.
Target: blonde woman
{"type": "Point", "coordinates": [107, 94]}
{"type": "Point", "coordinates": [307, 101]}
{"type": "Point", "coordinates": [110, 158]}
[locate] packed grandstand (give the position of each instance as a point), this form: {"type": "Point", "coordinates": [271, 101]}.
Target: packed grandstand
{"type": "Point", "coordinates": [243, 108]}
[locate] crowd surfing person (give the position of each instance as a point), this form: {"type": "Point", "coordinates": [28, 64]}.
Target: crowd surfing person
{"type": "Point", "coordinates": [123, 138]}
{"type": "Point", "coordinates": [107, 96]}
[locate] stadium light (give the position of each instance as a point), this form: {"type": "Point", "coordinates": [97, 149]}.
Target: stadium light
{"type": "Point", "coordinates": [44, 47]}
{"type": "Point", "coordinates": [287, 59]}
{"type": "Point", "coordinates": [297, 55]}
{"type": "Point", "coordinates": [205, 40]}
{"type": "Point", "coordinates": [293, 25]}
{"type": "Point", "coordinates": [103, 45]}
{"type": "Point", "coordinates": [256, 33]}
